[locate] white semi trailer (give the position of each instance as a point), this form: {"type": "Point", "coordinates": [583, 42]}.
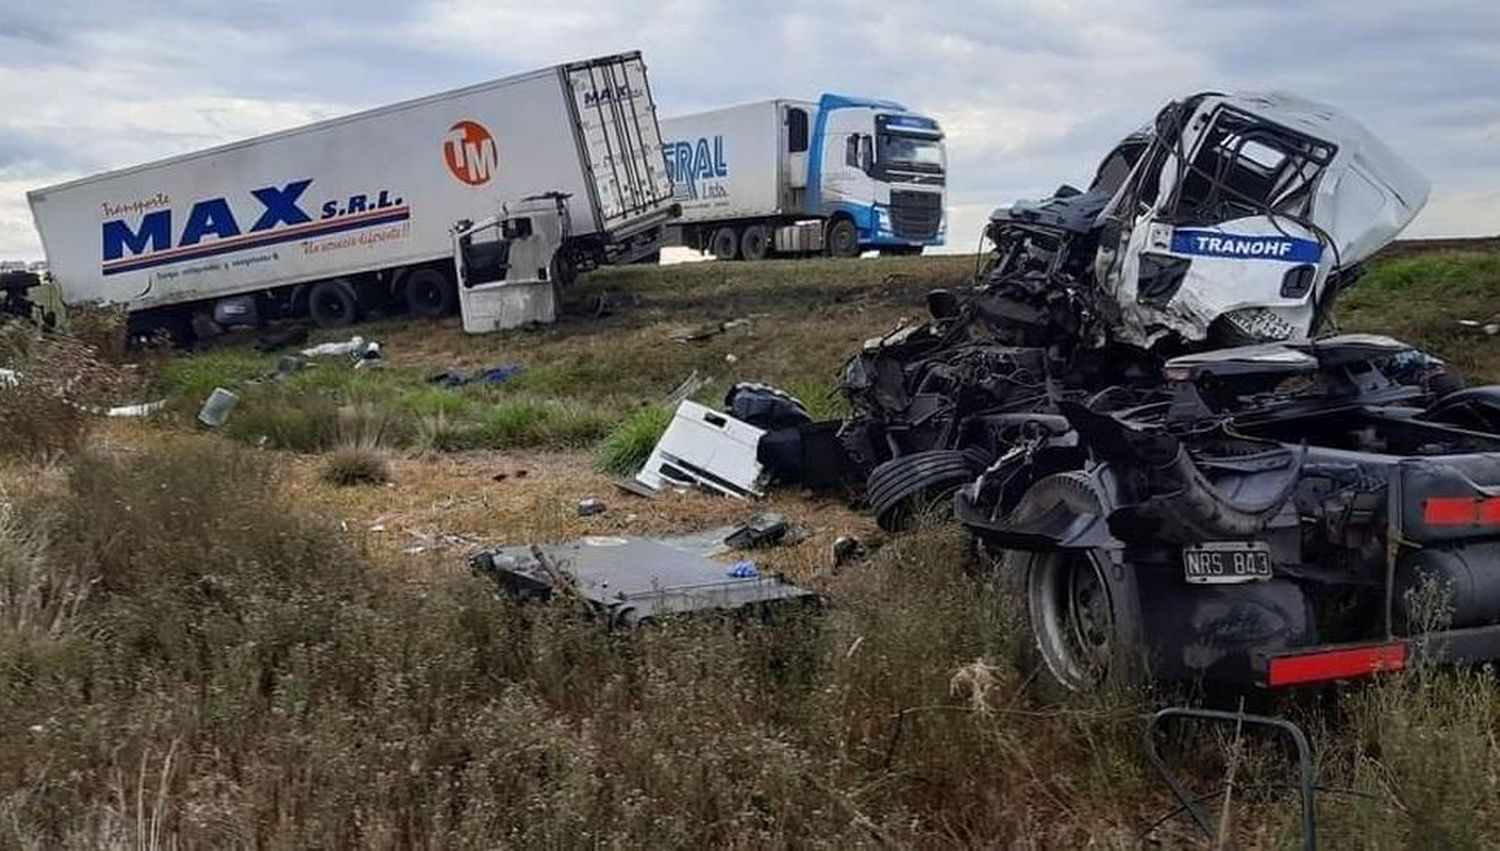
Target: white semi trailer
{"type": "Point", "coordinates": [838, 176]}
{"type": "Point", "coordinates": [358, 213]}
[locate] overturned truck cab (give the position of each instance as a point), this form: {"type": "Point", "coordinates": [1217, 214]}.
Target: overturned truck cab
{"type": "Point", "coordinates": [1231, 219]}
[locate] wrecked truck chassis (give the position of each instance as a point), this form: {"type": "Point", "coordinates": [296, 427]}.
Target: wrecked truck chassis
{"type": "Point", "coordinates": [1309, 537]}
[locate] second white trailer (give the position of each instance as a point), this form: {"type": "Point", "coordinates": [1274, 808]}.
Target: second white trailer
{"type": "Point", "coordinates": [357, 213]}
{"type": "Point", "coordinates": [838, 175]}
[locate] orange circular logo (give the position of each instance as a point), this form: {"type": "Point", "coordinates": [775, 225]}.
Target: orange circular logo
{"type": "Point", "coordinates": [470, 152]}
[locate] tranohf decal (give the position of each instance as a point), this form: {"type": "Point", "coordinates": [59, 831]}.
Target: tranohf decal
{"type": "Point", "coordinates": [1208, 243]}
{"type": "Point", "coordinates": [470, 152]}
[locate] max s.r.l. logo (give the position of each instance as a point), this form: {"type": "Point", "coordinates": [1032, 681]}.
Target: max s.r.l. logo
{"type": "Point", "coordinates": [470, 152]}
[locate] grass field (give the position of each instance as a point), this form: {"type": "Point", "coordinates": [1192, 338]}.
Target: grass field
{"type": "Point", "coordinates": [267, 637]}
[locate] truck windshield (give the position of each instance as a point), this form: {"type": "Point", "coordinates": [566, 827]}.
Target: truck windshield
{"type": "Point", "coordinates": [920, 153]}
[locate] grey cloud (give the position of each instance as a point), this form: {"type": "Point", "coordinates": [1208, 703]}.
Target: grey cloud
{"type": "Point", "coordinates": [1040, 89]}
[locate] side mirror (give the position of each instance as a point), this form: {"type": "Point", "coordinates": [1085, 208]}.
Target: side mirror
{"type": "Point", "coordinates": [866, 154]}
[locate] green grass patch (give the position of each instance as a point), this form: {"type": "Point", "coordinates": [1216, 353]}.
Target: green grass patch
{"type": "Point", "coordinates": [1422, 299]}
{"type": "Point", "coordinates": [629, 444]}
{"type": "Point", "coordinates": [191, 377]}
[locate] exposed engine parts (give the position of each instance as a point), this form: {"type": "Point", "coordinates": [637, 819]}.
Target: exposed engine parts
{"type": "Point", "coordinates": [1138, 412]}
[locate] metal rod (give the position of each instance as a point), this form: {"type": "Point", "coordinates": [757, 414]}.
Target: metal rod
{"type": "Point", "coordinates": [1185, 798]}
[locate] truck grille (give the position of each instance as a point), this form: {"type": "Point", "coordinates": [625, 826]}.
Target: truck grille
{"type": "Point", "coordinates": [916, 215]}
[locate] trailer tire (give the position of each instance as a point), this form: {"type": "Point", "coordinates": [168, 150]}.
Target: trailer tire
{"type": "Point", "coordinates": [903, 488]}
{"type": "Point", "coordinates": [150, 327]}
{"type": "Point", "coordinates": [1080, 609]}
{"type": "Point", "coordinates": [332, 304]}
{"type": "Point", "coordinates": [755, 243]}
{"type": "Point", "coordinates": [429, 293]}
{"type": "Point", "coordinates": [843, 238]}
{"type": "Point", "coordinates": [724, 244]}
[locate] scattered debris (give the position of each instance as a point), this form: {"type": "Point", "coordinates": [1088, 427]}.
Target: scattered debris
{"type": "Point", "coordinates": [217, 406]}
{"type": "Point", "coordinates": [1490, 326]}
{"type": "Point", "coordinates": [354, 345]}
{"type": "Point", "coordinates": [847, 549]}
{"type": "Point", "coordinates": [632, 581]}
{"type": "Point", "coordinates": [142, 409]}
{"type": "Point", "coordinates": [765, 529]}
{"type": "Point", "coordinates": [742, 570]}
{"type": "Point", "coordinates": [633, 486]}
{"type": "Point", "coordinates": [494, 375]}
{"type": "Point", "coordinates": [288, 365]}
{"type": "Point", "coordinates": [424, 542]}
{"type": "Point", "coordinates": [368, 358]}
{"type": "Point", "coordinates": [591, 506]}
{"type": "Point", "coordinates": [704, 448]}
{"type": "Point", "coordinates": [699, 333]}
{"type": "Point", "coordinates": [690, 385]}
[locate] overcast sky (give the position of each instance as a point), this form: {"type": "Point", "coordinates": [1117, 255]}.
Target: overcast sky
{"type": "Point", "coordinates": [1031, 92]}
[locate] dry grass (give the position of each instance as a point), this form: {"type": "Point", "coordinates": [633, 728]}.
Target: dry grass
{"type": "Point", "coordinates": [352, 465]}
{"type": "Point", "coordinates": [205, 645]}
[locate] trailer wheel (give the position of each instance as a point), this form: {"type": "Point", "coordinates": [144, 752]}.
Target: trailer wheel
{"type": "Point", "coordinates": [149, 327]}
{"type": "Point", "coordinates": [724, 244]}
{"type": "Point", "coordinates": [1081, 608]}
{"type": "Point", "coordinates": [429, 293]}
{"type": "Point", "coordinates": [332, 304]}
{"type": "Point", "coordinates": [843, 238]}
{"type": "Point", "coordinates": [755, 243]}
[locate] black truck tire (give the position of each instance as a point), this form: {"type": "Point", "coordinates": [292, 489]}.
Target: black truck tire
{"type": "Point", "coordinates": [332, 304]}
{"type": "Point", "coordinates": [902, 488]}
{"type": "Point", "coordinates": [755, 243]}
{"type": "Point", "coordinates": [724, 244]}
{"type": "Point", "coordinates": [1081, 609]}
{"type": "Point", "coordinates": [843, 238]}
{"type": "Point", "coordinates": [429, 293]}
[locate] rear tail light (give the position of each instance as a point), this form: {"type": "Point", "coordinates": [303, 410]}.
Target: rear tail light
{"type": "Point", "coordinates": [1344, 663]}
{"type": "Point", "coordinates": [1461, 511]}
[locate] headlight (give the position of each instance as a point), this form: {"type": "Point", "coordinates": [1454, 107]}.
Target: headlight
{"type": "Point", "coordinates": [1258, 325]}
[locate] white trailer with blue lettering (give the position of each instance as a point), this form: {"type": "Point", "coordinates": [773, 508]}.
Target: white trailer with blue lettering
{"type": "Point", "coordinates": [838, 176]}
{"type": "Point", "coordinates": [357, 214]}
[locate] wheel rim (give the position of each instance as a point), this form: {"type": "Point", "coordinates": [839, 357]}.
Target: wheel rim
{"type": "Point", "coordinates": [755, 244]}
{"type": "Point", "coordinates": [1072, 617]}
{"type": "Point", "coordinates": [724, 244]}
{"type": "Point", "coordinates": [332, 306]}
{"type": "Point", "coordinates": [843, 239]}
{"type": "Point", "coordinates": [429, 293]}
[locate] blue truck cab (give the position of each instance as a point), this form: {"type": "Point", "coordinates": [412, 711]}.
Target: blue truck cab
{"type": "Point", "coordinates": [837, 176]}
{"type": "Point", "coordinates": [881, 166]}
